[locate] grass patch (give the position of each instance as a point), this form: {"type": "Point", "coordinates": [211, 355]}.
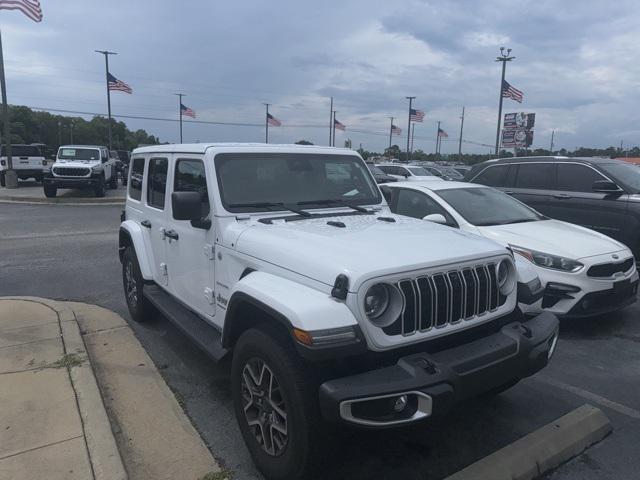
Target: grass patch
{"type": "Point", "coordinates": [221, 475]}
{"type": "Point", "coordinates": [68, 361]}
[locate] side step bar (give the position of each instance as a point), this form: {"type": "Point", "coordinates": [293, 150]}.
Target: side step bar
{"type": "Point", "coordinates": [207, 337]}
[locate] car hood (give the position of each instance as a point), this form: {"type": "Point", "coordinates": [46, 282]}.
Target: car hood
{"type": "Point", "coordinates": [364, 248]}
{"type": "Point", "coordinates": [78, 163]}
{"type": "Point", "coordinates": [553, 237]}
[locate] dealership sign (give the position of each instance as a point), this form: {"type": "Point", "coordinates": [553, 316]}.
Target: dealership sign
{"type": "Point", "coordinates": [517, 130]}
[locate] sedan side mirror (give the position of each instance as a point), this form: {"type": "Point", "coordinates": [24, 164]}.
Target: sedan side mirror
{"type": "Point", "coordinates": [605, 186]}
{"type": "Point", "coordinates": [435, 218]}
{"type": "Point", "coordinates": [188, 206]}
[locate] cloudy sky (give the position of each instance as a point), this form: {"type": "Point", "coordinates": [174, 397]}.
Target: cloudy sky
{"type": "Point", "coordinates": [577, 64]}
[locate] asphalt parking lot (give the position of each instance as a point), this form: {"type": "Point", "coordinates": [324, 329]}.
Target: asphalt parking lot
{"type": "Point", "coordinates": [69, 252]}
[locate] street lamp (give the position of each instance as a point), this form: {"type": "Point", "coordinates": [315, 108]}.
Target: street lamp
{"type": "Point", "coordinates": [504, 58]}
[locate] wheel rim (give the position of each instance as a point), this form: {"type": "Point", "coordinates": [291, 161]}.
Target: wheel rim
{"type": "Point", "coordinates": [130, 285]}
{"type": "Point", "coordinates": [264, 406]}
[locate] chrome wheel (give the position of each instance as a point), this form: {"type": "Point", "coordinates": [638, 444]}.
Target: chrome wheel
{"type": "Point", "coordinates": [264, 406]}
{"type": "Point", "coordinates": [130, 285]}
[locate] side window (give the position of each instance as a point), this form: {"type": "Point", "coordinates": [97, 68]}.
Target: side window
{"type": "Point", "coordinates": [493, 176]}
{"type": "Point", "coordinates": [135, 179]}
{"type": "Point", "coordinates": [534, 175]}
{"type": "Point", "coordinates": [386, 169]}
{"type": "Point", "coordinates": [403, 171]}
{"type": "Point", "coordinates": [190, 177]}
{"type": "Point", "coordinates": [157, 182]}
{"type": "Point", "coordinates": [576, 178]}
{"type": "Point", "coordinates": [415, 204]}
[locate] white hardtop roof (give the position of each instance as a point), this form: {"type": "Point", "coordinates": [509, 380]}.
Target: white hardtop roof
{"type": "Point", "coordinates": [241, 147]}
{"type": "Point", "coordinates": [82, 146]}
{"type": "Point", "coordinates": [436, 185]}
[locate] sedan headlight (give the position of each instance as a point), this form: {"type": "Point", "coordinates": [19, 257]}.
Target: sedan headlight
{"type": "Point", "coordinates": [382, 304]}
{"type": "Point", "coordinates": [547, 260]}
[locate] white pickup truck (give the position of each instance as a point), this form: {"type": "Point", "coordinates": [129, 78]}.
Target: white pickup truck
{"type": "Point", "coordinates": [288, 259]}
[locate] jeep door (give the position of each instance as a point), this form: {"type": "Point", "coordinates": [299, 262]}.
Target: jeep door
{"type": "Point", "coordinates": [573, 200]}
{"type": "Point", "coordinates": [154, 217]}
{"type": "Point", "coordinates": [106, 164]}
{"type": "Point", "coordinates": [190, 251]}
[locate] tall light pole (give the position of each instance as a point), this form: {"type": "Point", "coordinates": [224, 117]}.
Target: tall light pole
{"type": "Point", "coordinates": [266, 123]}
{"type": "Point", "coordinates": [460, 138]}
{"type": "Point", "coordinates": [409, 125]}
{"type": "Point", "coordinates": [504, 58]}
{"type": "Point", "coordinates": [180, 95]}
{"type": "Point", "coordinates": [553, 133]}
{"type": "Point", "coordinates": [106, 54]}
{"type": "Point", "coordinates": [333, 126]}
{"type": "Point", "coordinates": [413, 134]}
{"type": "Point", "coordinates": [390, 135]}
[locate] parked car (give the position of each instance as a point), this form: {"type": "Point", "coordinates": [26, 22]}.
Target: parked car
{"type": "Point", "coordinates": [444, 172]}
{"type": "Point", "coordinates": [27, 161]}
{"type": "Point", "coordinates": [584, 272]}
{"type": "Point", "coordinates": [462, 170]}
{"type": "Point", "coordinates": [270, 254]}
{"type": "Point", "coordinates": [597, 193]}
{"type": "Point", "coordinates": [410, 173]}
{"type": "Point", "coordinates": [81, 166]}
{"type": "Point", "coordinates": [379, 175]}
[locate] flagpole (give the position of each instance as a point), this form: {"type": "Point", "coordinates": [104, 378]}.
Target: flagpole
{"type": "Point", "coordinates": [266, 124]}
{"type": "Point", "coordinates": [504, 58]}
{"type": "Point", "coordinates": [438, 140]}
{"type": "Point", "coordinates": [334, 128]}
{"type": "Point", "coordinates": [11, 181]}
{"type": "Point", "coordinates": [413, 134]}
{"type": "Point", "coordinates": [390, 134]}
{"type": "Point", "coordinates": [331, 122]}
{"type": "Point", "coordinates": [409, 125]}
{"type": "Point", "coordinates": [180, 95]}
{"type": "Point", "coordinates": [106, 54]}
{"type": "Point", "coordinates": [460, 139]}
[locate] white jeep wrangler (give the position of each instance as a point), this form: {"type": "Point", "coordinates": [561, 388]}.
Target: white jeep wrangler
{"type": "Point", "coordinates": [81, 166]}
{"type": "Point", "coordinates": [288, 258]}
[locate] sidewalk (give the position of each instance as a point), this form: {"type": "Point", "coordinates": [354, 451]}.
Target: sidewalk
{"type": "Point", "coordinates": [53, 418]}
{"type": "Point", "coordinates": [32, 192]}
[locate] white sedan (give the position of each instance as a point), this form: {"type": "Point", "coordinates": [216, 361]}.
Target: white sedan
{"type": "Point", "coordinates": [584, 272]}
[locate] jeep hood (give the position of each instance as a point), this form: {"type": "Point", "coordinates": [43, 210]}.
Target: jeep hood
{"type": "Point", "coordinates": [365, 247]}
{"type": "Point", "coordinates": [77, 163]}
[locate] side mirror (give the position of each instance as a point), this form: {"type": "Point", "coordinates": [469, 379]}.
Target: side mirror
{"type": "Point", "coordinates": [188, 206]}
{"type": "Point", "coordinates": [605, 186]}
{"type": "Point", "coordinates": [436, 218]}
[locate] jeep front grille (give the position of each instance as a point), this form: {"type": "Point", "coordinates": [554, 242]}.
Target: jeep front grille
{"type": "Point", "coordinates": [446, 298]}
{"type": "Point", "coordinates": [72, 171]}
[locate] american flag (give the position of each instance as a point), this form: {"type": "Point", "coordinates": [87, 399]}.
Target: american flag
{"type": "Point", "coordinates": [442, 133]}
{"type": "Point", "coordinates": [511, 92]}
{"type": "Point", "coordinates": [115, 84]}
{"type": "Point", "coordinates": [184, 110]}
{"type": "Point", "coordinates": [339, 125]}
{"type": "Point", "coordinates": [273, 121]}
{"type": "Point", "coordinates": [395, 130]}
{"type": "Point", "coordinates": [31, 8]}
{"type": "Point", "coordinates": [416, 115]}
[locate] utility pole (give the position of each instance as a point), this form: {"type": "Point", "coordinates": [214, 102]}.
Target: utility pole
{"type": "Point", "coordinates": [409, 126]}
{"type": "Point", "coordinates": [413, 133]}
{"type": "Point", "coordinates": [180, 95]}
{"type": "Point", "coordinates": [71, 132]}
{"type": "Point", "coordinates": [504, 58]}
{"type": "Point", "coordinates": [460, 139]}
{"type": "Point", "coordinates": [11, 179]}
{"type": "Point", "coordinates": [438, 140]}
{"type": "Point", "coordinates": [59, 133]}
{"type": "Point", "coordinates": [266, 124]}
{"type": "Point", "coordinates": [106, 54]}
{"type": "Point", "coordinates": [333, 126]}
{"type": "Point", "coordinates": [553, 132]}
{"type": "Point", "coordinates": [390, 135]}
{"type": "Point", "coordinates": [331, 123]}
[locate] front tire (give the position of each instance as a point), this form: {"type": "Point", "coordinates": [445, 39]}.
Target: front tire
{"type": "Point", "coordinates": [275, 405]}
{"type": "Point", "coordinates": [50, 191]}
{"type": "Point", "coordinates": [140, 308]}
{"type": "Point", "coordinates": [3, 182]}
{"type": "Point", "coordinates": [113, 181]}
{"type": "Point", "coordinates": [99, 188]}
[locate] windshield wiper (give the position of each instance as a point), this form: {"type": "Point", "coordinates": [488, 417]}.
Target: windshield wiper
{"type": "Point", "coordinates": [333, 201]}
{"type": "Point", "coordinates": [302, 213]}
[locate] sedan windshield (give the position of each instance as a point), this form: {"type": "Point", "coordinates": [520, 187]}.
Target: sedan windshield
{"type": "Point", "coordinates": [251, 182]}
{"type": "Point", "coordinates": [628, 175]}
{"type": "Point", "coordinates": [376, 171]}
{"type": "Point", "coordinates": [486, 206]}
{"type": "Point", "coordinates": [420, 172]}
{"type": "Point", "coordinates": [79, 154]}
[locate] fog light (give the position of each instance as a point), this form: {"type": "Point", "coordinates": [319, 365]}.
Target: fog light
{"type": "Point", "coordinates": [400, 403]}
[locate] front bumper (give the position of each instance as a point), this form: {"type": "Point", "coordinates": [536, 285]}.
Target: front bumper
{"type": "Point", "coordinates": [434, 382]}
{"type": "Point", "coordinates": [70, 182]}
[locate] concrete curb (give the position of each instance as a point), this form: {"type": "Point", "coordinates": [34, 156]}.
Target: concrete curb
{"type": "Point", "coordinates": [542, 450]}
{"type": "Point", "coordinates": [104, 455]}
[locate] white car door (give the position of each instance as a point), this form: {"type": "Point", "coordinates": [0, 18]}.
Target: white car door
{"type": "Point", "coordinates": [156, 218]}
{"type": "Point", "coordinates": [190, 251]}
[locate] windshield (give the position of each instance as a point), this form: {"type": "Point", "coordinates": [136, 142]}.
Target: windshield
{"type": "Point", "coordinates": [420, 172]}
{"type": "Point", "coordinates": [79, 154]}
{"type": "Point", "coordinates": [453, 173]}
{"type": "Point", "coordinates": [375, 170]}
{"type": "Point", "coordinates": [247, 180]}
{"type": "Point", "coordinates": [486, 206]}
{"type": "Point", "coordinates": [22, 151]}
{"type": "Point", "coordinates": [628, 175]}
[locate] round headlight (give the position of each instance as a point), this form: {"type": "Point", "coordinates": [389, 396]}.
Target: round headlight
{"type": "Point", "coordinates": [506, 277]}
{"type": "Point", "coordinates": [376, 301]}
{"type": "Point", "coordinates": [503, 273]}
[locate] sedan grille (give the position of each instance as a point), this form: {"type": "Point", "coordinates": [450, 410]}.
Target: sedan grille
{"type": "Point", "coordinates": [446, 298]}
{"type": "Point", "coordinates": [608, 269]}
{"type": "Point", "coordinates": [71, 171]}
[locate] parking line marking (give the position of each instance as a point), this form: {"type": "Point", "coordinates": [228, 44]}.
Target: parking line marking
{"type": "Point", "coordinates": [593, 397]}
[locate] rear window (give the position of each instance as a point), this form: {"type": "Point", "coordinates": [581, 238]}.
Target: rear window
{"type": "Point", "coordinates": [22, 151]}
{"type": "Point", "coordinates": [79, 154]}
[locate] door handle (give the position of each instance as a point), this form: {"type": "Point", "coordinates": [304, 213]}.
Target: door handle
{"type": "Point", "coordinates": [146, 223]}
{"type": "Point", "coordinates": [172, 234]}
{"type": "Point", "coordinates": [561, 196]}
